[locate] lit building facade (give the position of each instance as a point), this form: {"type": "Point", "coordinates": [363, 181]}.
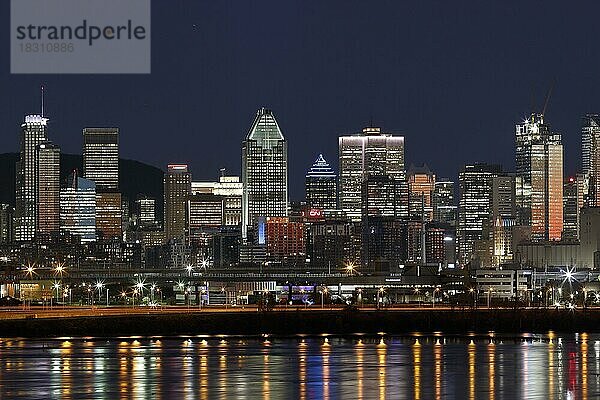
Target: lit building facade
{"type": "Point", "coordinates": [285, 241]}
{"type": "Point", "coordinates": [474, 210]}
{"type": "Point", "coordinates": [539, 183]}
{"type": "Point", "coordinates": [444, 207]}
{"type": "Point", "coordinates": [6, 223]}
{"type": "Point", "coordinates": [421, 184]}
{"type": "Point", "coordinates": [382, 196]}
{"type": "Point", "coordinates": [264, 171]}
{"type": "Point", "coordinates": [101, 158]}
{"type": "Point", "coordinates": [101, 165]}
{"type": "Point", "coordinates": [177, 188]}
{"type": "Point", "coordinates": [383, 248]}
{"type": "Point", "coordinates": [573, 202]}
{"type": "Point", "coordinates": [204, 211]}
{"type": "Point", "coordinates": [435, 243]}
{"type": "Point", "coordinates": [146, 211]}
{"type": "Point", "coordinates": [231, 189]}
{"type": "Point", "coordinates": [109, 216]}
{"type": "Point", "coordinates": [33, 134]}
{"type": "Point", "coordinates": [503, 219]}
{"type": "Point", "coordinates": [590, 157]}
{"type": "Point", "coordinates": [331, 247]}
{"type": "Point", "coordinates": [368, 153]}
{"type": "Point", "coordinates": [48, 191]}
{"type": "Point", "coordinates": [321, 185]}
{"type": "Point", "coordinates": [78, 209]}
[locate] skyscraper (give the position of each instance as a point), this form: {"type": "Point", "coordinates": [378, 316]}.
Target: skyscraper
{"type": "Point", "coordinates": [474, 210]}
{"type": "Point", "coordinates": [503, 219]}
{"type": "Point", "coordinates": [204, 212]}
{"type": "Point", "coordinates": [33, 133]}
{"type": "Point", "coordinates": [101, 165]}
{"type": "Point", "coordinates": [6, 223]}
{"type": "Point", "coordinates": [177, 188]}
{"type": "Point", "coordinates": [264, 171]}
{"type": "Point", "coordinates": [321, 185]}
{"type": "Point", "coordinates": [146, 211]}
{"type": "Point", "coordinates": [573, 202]}
{"type": "Point", "coordinates": [78, 208]}
{"type": "Point", "coordinates": [444, 208]}
{"type": "Point", "coordinates": [383, 249]}
{"type": "Point", "coordinates": [590, 157]}
{"type": "Point", "coordinates": [48, 191]}
{"type": "Point", "coordinates": [109, 216]}
{"type": "Point", "coordinates": [370, 152]}
{"type": "Point", "coordinates": [101, 158]}
{"type": "Point", "coordinates": [421, 183]}
{"type": "Point", "coordinates": [539, 178]}
{"type": "Point", "coordinates": [381, 196]}
{"type": "Point", "coordinates": [231, 189]}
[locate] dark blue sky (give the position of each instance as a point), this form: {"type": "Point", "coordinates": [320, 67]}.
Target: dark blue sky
{"type": "Point", "coordinates": [453, 77]}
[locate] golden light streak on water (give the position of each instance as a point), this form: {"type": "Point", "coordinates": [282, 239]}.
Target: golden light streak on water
{"type": "Point", "coordinates": [381, 361]}
{"type": "Point", "coordinates": [223, 375]}
{"type": "Point", "coordinates": [471, 352]}
{"type": "Point", "coordinates": [302, 369]}
{"type": "Point", "coordinates": [123, 370]}
{"type": "Point", "coordinates": [203, 362]}
{"type": "Point", "coordinates": [551, 365]}
{"type": "Point", "coordinates": [417, 368]}
{"type": "Point", "coordinates": [266, 391]}
{"type": "Point", "coordinates": [584, 366]}
{"type": "Point", "coordinates": [186, 374]}
{"type": "Point", "coordinates": [437, 378]}
{"type": "Point", "coordinates": [66, 374]}
{"type": "Point", "coordinates": [492, 370]}
{"type": "Point", "coordinates": [360, 359]}
{"type": "Point", "coordinates": [157, 368]}
{"type": "Point", "coordinates": [138, 370]}
{"type": "Point", "coordinates": [325, 351]}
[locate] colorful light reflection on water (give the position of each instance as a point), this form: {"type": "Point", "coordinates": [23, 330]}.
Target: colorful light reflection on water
{"type": "Point", "coordinates": [324, 367]}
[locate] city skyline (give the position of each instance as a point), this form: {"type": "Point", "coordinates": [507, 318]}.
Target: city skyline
{"type": "Point", "coordinates": [582, 156]}
{"type": "Point", "coordinates": [300, 199]}
{"type": "Point", "coordinates": [426, 89]}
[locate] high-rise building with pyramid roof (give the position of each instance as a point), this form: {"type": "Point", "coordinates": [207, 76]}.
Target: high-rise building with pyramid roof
{"type": "Point", "coordinates": [264, 171]}
{"type": "Point", "coordinates": [321, 185]}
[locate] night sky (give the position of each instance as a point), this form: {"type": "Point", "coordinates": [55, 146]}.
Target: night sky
{"type": "Point", "coordinates": [453, 77]}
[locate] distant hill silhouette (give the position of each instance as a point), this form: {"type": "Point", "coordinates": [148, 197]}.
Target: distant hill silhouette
{"type": "Point", "coordinates": [135, 178]}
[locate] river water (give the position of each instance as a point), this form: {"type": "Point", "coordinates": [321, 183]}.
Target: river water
{"type": "Point", "coordinates": [419, 366]}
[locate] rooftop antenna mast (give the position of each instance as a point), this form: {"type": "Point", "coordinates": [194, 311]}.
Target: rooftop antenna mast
{"type": "Point", "coordinates": [548, 97]}
{"type": "Point", "coordinates": [42, 100]}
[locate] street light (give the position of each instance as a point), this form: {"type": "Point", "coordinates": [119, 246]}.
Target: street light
{"type": "Point", "coordinates": [205, 263]}
{"type": "Point", "coordinates": [59, 269]}
{"type": "Point", "coordinates": [55, 286]}
{"type": "Point", "coordinates": [30, 271]}
{"type": "Point", "coordinates": [152, 288]}
{"type": "Point", "coordinates": [99, 286]}
{"type": "Point", "coordinates": [139, 287]}
{"type": "Point", "coordinates": [323, 291]}
{"type": "Point", "coordinates": [350, 268]}
{"type": "Point", "coordinates": [160, 293]}
{"type": "Point", "coordinates": [380, 296]}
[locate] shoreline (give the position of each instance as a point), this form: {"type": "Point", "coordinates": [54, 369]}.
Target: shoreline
{"type": "Point", "coordinates": [312, 322]}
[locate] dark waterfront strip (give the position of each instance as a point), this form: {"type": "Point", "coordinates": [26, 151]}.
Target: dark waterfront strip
{"type": "Point", "coordinates": [307, 322]}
